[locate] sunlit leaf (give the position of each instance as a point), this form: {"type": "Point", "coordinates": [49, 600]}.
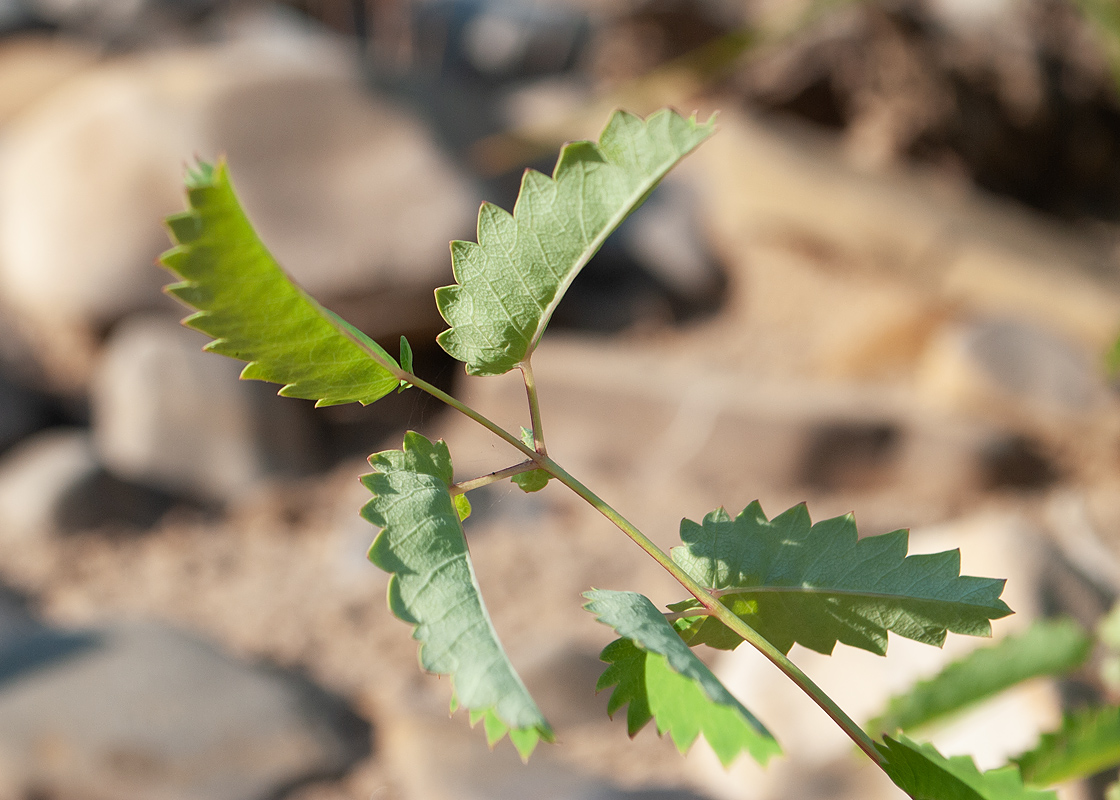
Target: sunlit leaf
{"type": "Point", "coordinates": [255, 313]}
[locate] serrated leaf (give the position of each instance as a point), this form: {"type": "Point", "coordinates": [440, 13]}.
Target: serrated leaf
{"type": "Point", "coordinates": [510, 282]}
{"type": "Point", "coordinates": [925, 774]}
{"type": "Point", "coordinates": [535, 479]}
{"type": "Point", "coordinates": [1087, 743]}
{"type": "Point", "coordinates": [1048, 647]}
{"type": "Point", "coordinates": [255, 313]}
{"type": "Point", "coordinates": [660, 678]}
{"type": "Point", "coordinates": [793, 581]}
{"type": "Point", "coordinates": [433, 587]}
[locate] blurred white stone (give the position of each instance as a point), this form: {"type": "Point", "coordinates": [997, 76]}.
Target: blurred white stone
{"type": "Point", "coordinates": [35, 477]}
{"type": "Point", "coordinates": [167, 414]}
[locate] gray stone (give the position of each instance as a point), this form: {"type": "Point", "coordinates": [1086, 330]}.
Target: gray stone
{"type": "Point", "coordinates": [143, 711]}
{"type": "Point", "coordinates": [1006, 364]}
{"type": "Point", "coordinates": [167, 414]}
{"type": "Point", "coordinates": [438, 760]}
{"type": "Point", "coordinates": [36, 477]}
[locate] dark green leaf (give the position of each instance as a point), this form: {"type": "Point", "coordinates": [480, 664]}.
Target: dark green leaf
{"type": "Point", "coordinates": [793, 581]}
{"type": "Point", "coordinates": [924, 774]}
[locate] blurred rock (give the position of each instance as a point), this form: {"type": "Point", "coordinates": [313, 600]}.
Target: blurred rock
{"type": "Point", "coordinates": [349, 192]}
{"type": "Point", "coordinates": [121, 21]}
{"type": "Point", "coordinates": [996, 365]}
{"type": "Point", "coordinates": [35, 477]}
{"type": "Point", "coordinates": [33, 65]}
{"type": "Point", "coordinates": [142, 711]}
{"type": "Point", "coordinates": [447, 762]}
{"type": "Point", "coordinates": [22, 412]}
{"type": "Point", "coordinates": [167, 414]}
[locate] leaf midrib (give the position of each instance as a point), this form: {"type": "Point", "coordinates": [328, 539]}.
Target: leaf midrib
{"type": "Point", "coordinates": [721, 593]}
{"type": "Point", "coordinates": [612, 224]}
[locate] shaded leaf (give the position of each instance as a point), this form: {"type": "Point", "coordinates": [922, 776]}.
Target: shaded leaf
{"type": "Point", "coordinates": [255, 313]}
{"type": "Point", "coordinates": [510, 282]}
{"type": "Point", "coordinates": [925, 774]}
{"type": "Point", "coordinates": [1046, 648]}
{"type": "Point", "coordinates": [660, 678]}
{"type": "Point", "coordinates": [433, 587]}
{"type": "Point", "coordinates": [793, 581]}
{"type": "Point", "coordinates": [1087, 743]}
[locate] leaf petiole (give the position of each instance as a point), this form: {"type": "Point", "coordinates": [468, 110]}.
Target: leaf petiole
{"type": "Point", "coordinates": [493, 477]}
{"type": "Point", "coordinates": [534, 406]}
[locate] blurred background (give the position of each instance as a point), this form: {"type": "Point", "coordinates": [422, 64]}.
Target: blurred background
{"type": "Point", "coordinates": [887, 285]}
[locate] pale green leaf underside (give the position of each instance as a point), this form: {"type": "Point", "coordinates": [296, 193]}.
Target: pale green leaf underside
{"type": "Point", "coordinates": [1048, 647]}
{"type": "Point", "coordinates": [255, 313]}
{"type": "Point", "coordinates": [1087, 743]}
{"type": "Point", "coordinates": [924, 774]}
{"type": "Point", "coordinates": [793, 581]}
{"type": "Point", "coordinates": [660, 678]}
{"type": "Point", "coordinates": [510, 282]}
{"type": "Point", "coordinates": [433, 587]}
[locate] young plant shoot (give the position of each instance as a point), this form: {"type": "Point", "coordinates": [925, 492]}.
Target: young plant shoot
{"type": "Point", "coordinates": [745, 578]}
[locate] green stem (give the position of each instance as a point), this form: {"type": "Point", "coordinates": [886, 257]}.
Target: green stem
{"type": "Point", "coordinates": [534, 407]}
{"type": "Point", "coordinates": [498, 475]}
{"type": "Point", "coordinates": [714, 606]}
{"type": "Point", "coordinates": [722, 613]}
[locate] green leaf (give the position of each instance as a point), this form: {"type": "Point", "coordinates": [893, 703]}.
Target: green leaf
{"type": "Point", "coordinates": [255, 313]}
{"type": "Point", "coordinates": [510, 282]}
{"type": "Point", "coordinates": [1087, 743]}
{"type": "Point", "coordinates": [793, 581]}
{"type": "Point", "coordinates": [1112, 792]}
{"type": "Point", "coordinates": [659, 676]}
{"type": "Point", "coordinates": [406, 364]}
{"type": "Point", "coordinates": [1046, 648]}
{"type": "Point", "coordinates": [535, 479]}
{"type": "Point", "coordinates": [925, 774]}
{"type": "Point", "coordinates": [433, 587]}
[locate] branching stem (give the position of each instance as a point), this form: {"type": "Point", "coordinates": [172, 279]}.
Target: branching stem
{"type": "Point", "coordinates": [538, 460]}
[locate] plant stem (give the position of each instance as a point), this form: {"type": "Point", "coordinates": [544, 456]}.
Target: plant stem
{"type": "Point", "coordinates": [722, 613]}
{"type": "Point", "coordinates": [538, 460]}
{"type": "Point", "coordinates": [534, 407]}
{"type": "Point", "coordinates": [477, 483]}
